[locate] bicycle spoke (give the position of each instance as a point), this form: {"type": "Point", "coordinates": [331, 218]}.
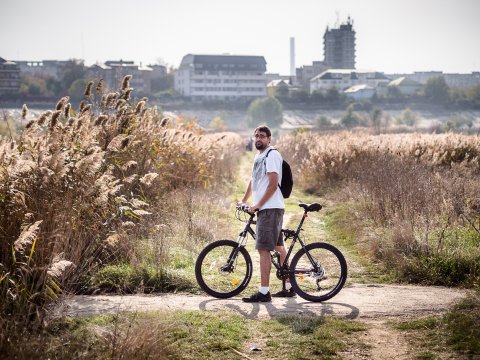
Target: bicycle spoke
{"type": "Point", "coordinates": [321, 279]}
{"type": "Point", "coordinates": [218, 277]}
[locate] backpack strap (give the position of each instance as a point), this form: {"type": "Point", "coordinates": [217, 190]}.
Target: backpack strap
{"type": "Point", "coordinates": [268, 152]}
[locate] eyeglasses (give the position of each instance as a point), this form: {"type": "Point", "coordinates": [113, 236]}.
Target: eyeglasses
{"type": "Point", "coordinates": [260, 136]}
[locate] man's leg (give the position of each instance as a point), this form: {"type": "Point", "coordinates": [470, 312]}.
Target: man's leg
{"type": "Point", "coordinates": [283, 253]}
{"type": "Point", "coordinates": [265, 267]}
{"type": "Point", "coordinates": [263, 295]}
{"type": "Point", "coordinates": [287, 290]}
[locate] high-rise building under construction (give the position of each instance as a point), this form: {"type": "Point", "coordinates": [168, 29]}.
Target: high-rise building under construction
{"type": "Point", "coordinates": [339, 46]}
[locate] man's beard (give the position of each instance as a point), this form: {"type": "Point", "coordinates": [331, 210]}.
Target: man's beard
{"type": "Point", "coordinates": [260, 146]}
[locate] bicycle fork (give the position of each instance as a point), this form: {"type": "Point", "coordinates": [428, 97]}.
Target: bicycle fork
{"type": "Point", "coordinates": [241, 240]}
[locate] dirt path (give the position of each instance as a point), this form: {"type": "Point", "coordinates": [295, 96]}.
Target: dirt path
{"type": "Point", "coordinates": [357, 301]}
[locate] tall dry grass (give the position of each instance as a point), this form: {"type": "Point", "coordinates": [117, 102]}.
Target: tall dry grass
{"type": "Point", "coordinates": [323, 160]}
{"type": "Point", "coordinates": [77, 186]}
{"type": "Point", "coordinates": [416, 196]}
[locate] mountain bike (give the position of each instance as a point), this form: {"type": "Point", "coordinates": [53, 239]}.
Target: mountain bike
{"type": "Point", "coordinates": [317, 271]}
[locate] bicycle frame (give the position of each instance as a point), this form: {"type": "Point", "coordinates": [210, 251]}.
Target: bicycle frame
{"type": "Point", "coordinates": [294, 235]}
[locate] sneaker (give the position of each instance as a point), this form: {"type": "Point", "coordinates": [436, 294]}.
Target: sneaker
{"type": "Point", "coordinates": [284, 293]}
{"type": "Point", "coordinates": [258, 297]}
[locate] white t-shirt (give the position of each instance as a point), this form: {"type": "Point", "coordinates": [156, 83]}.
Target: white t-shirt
{"type": "Point", "coordinates": [262, 166]}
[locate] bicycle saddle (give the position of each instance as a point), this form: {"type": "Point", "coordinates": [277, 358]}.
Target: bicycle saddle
{"type": "Point", "coordinates": [311, 207]}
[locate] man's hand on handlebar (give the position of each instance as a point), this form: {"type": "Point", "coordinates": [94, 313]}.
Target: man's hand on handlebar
{"type": "Point", "coordinates": [248, 208]}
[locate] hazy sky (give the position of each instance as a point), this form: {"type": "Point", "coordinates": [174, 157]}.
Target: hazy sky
{"type": "Point", "coordinates": [392, 35]}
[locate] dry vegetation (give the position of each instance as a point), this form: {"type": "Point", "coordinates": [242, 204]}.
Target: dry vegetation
{"type": "Point", "coordinates": [79, 189]}
{"type": "Point", "coordinates": [413, 199]}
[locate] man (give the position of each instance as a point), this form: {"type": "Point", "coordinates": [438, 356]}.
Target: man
{"type": "Point", "coordinates": [268, 201]}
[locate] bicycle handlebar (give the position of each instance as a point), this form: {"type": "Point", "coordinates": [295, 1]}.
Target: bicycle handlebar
{"type": "Point", "coordinates": [244, 208]}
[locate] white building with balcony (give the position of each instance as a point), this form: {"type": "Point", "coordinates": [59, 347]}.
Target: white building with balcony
{"type": "Point", "coordinates": [221, 77]}
{"type": "Point", "coordinates": [343, 79]}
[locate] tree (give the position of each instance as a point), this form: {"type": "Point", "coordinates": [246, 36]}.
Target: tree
{"type": "Point", "coordinates": [218, 124]}
{"type": "Point", "coordinates": [437, 90]}
{"type": "Point", "coordinates": [408, 117]}
{"type": "Point", "coordinates": [393, 92]}
{"type": "Point", "coordinates": [34, 85]}
{"type": "Point", "coordinates": [77, 89]}
{"type": "Point", "coordinates": [332, 95]}
{"type": "Point", "coordinates": [473, 96]}
{"type": "Point", "coordinates": [164, 83]}
{"type": "Point", "coordinates": [376, 118]}
{"type": "Point", "coordinates": [300, 96]}
{"type": "Point", "coordinates": [323, 122]}
{"type": "Point", "coordinates": [281, 91]}
{"type": "Point", "coordinates": [73, 70]}
{"type": "Point", "coordinates": [317, 97]}
{"type": "Point", "coordinates": [265, 110]}
{"type": "Point", "coordinates": [350, 119]}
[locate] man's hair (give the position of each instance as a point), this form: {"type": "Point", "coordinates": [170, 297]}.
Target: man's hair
{"type": "Point", "coordinates": [265, 129]}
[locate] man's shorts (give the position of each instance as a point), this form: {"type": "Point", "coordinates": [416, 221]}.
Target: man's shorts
{"type": "Point", "coordinates": [269, 229]}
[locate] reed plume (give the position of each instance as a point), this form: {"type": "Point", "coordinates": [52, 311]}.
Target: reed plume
{"type": "Point", "coordinates": [54, 119]}
{"type": "Point", "coordinates": [110, 100]}
{"type": "Point", "coordinates": [100, 120]}
{"type": "Point", "coordinates": [127, 93]}
{"type": "Point", "coordinates": [100, 86]}
{"type": "Point", "coordinates": [88, 89]}
{"type": "Point", "coordinates": [59, 268]}
{"type": "Point", "coordinates": [66, 113]}
{"type": "Point", "coordinates": [139, 107]}
{"type": "Point", "coordinates": [61, 103]}
{"type": "Point", "coordinates": [120, 103]}
{"type": "Point", "coordinates": [86, 109]}
{"type": "Point", "coordinates": [27, 237]}
{"type": "Point", "coordinates": [126, 82]}
{"type": "Point", "coordinates": [44, 117]}
{"type": "Point", "coordinates": [29, 124]}
{"type": "Point", "coordinates": [24, 111]}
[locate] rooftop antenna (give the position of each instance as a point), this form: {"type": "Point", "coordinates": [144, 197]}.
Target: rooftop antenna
{"type": "Point", "coordinates": [337, 22]}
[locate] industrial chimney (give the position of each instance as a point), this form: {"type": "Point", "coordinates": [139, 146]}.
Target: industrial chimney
{"type": "Point", "coordinates": [292, 56]}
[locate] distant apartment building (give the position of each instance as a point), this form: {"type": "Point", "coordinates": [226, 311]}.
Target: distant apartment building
{"type": "Point", "coordinates": [404, 85]}
{"type": "Point", "coordinates": [339, 53]}
{"type": "Point", "coordinates": [276, 76]}
{"type": "Point", "coordinates": [343, 79]}
{"type": "Point", "coordinates": [221, 77]}
{"type": "Point", "coordinates": [339, 46]}
{"type": "Point", "coordinates": [9, 77]}
{"type": "Point", "coordinates": [276, 87]}
{"type": "Point", "coordinates": [307, 72]}
{"type": "Point", "coordinates": [45, 68]}
{"type": "Point", "coordinates": [453, 80]}
{"type": "Point", "coordinates": [113, 72]}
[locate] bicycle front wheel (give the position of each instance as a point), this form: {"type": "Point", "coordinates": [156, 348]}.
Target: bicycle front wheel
{"type": "Point", "coordinates": [223, 269]}
{"type": "Point", "coordinates": [318, 272]}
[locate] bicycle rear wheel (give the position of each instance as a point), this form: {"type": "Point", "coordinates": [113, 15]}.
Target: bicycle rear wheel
{"type": "Point", "coordinates": [321, 275]}
{"type": "Point", "coordinates": [223, 269]}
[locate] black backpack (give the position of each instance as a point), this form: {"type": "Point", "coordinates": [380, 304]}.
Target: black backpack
{"type": "Point", "coordinates": [287, 178]}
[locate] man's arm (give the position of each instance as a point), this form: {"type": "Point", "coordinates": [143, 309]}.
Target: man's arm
{"type": "Point", "coordinates": [248, 193]}
{"type": "Point", "coordinates": [271, 188]}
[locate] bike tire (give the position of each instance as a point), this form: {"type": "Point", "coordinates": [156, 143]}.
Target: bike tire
{"type": "Point", "coordinates": [318, 286]}
{"type": "Point", "coordinates": [216, 282]}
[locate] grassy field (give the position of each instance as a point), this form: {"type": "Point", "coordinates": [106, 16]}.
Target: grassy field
{"type": "Point", "coordinates": [186, 335]}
